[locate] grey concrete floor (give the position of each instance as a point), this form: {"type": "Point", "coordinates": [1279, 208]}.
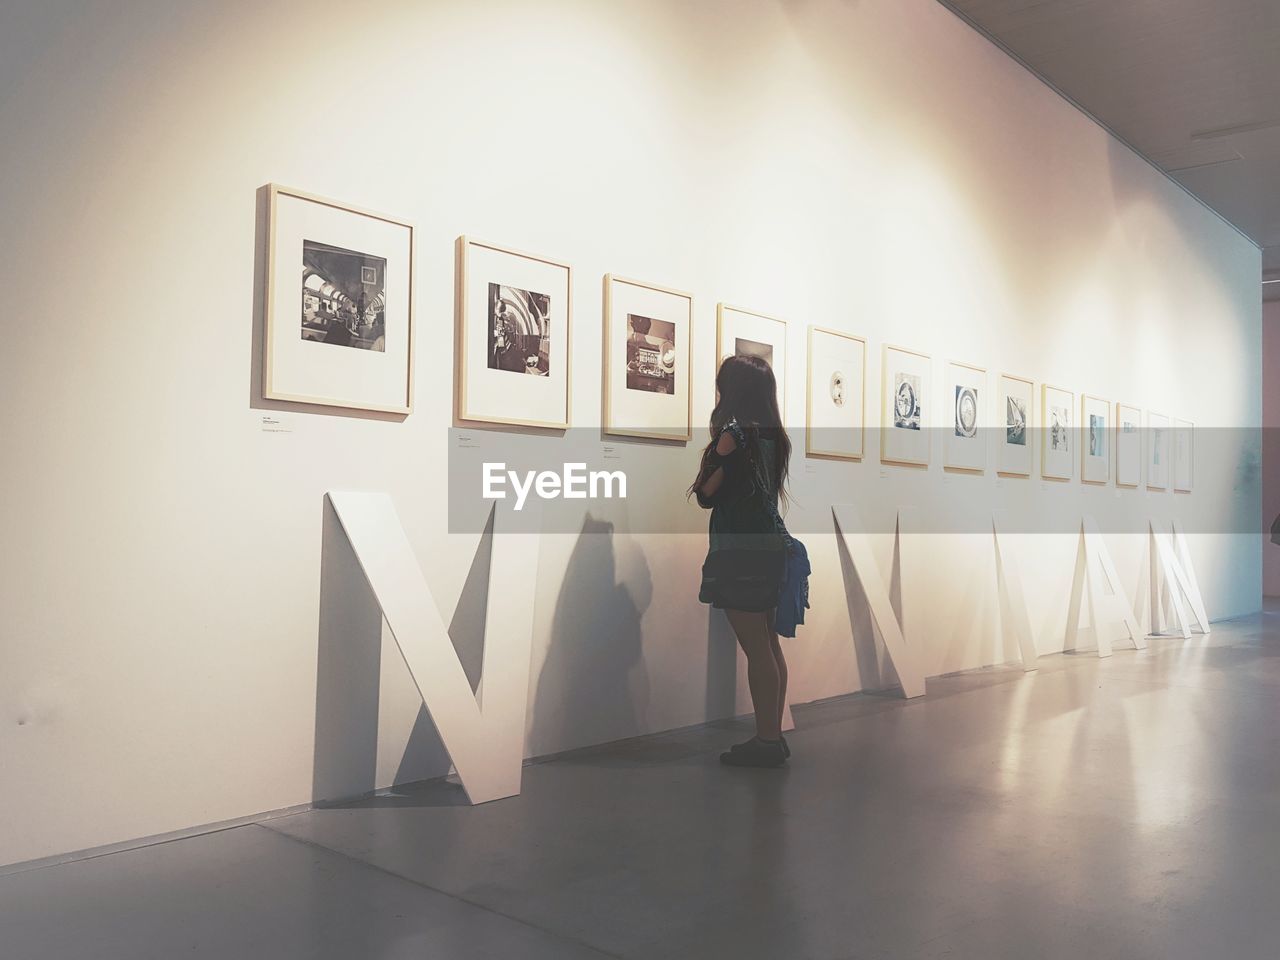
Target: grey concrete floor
{"type": "Point", "coordinates": [1123, 808]}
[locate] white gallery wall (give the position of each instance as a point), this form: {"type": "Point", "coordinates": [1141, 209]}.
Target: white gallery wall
{"type": "Point", "coordinates": [875, 167]}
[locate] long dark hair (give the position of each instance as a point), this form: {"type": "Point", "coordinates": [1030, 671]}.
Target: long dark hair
{"type": "Point", "coordinates": [747, 392]}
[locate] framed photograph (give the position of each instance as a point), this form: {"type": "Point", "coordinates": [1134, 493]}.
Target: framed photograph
{"type": "Point", "coordinates": [1095, 440]}
{"type": "Point", "coordinates": [1158, 453]}
{"type": "Point", "coordinates": [743, 333]}
{"type": "Point", "coordinates": [966, 430]}
{"type": "Point", "coordinates": [513, 336]}
{"type": "Point", "coordinates": [1128, 445]}
{"type": "Point", "coordinates": [835, 405]}
{"type": "Point", "coordinates": [904, 428]}
{"type": "Point", "coordinates": [1014, 404]}
{"type": "Point", "coordinates": [1183, 458]}
{"type": "Point", "coordinates": [647, 331]}
{"type": "Point", "coordinates": [1057, 458]}
{"type": "Point", "coordinates": [339, 310]}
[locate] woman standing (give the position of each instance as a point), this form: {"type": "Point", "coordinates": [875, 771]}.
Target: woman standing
{"type": "Point", "coordinates": [742, 477]}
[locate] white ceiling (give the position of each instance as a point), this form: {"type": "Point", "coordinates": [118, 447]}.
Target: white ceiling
{"type": "Point", "coordinates": [1193, 85]}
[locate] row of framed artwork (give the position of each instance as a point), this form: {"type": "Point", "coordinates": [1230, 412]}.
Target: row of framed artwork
{"type": "Point", "coordinates": [837, 377]}
{"type": "Point", "coordinates": [339, 327]}
{"type": "Point", "coordinates": [339, 331]}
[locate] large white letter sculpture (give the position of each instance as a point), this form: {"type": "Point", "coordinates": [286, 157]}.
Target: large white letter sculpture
{"type": "Point", "coordinates": [484, 732]}
{"type": "Point", "coordinates": [905, 664]}
{"type": "Point", "coordinates": [1173, 585]}
{"type": "Point", "coordinates": [1098, 585]}
{"type": "Point", "coordinates": [1013, 603]}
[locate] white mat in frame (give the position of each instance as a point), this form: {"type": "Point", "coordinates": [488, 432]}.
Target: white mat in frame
{"type": "Point", "coordinates": [1015, 403]}
{"type": "Point", "coordinates": [965, 424]}
{"type": "Point", "coordinates": [339, 305]}
{"type": "Point", "coordinates": [514, 314]}
{"type": "Point", "coordinates": [1157, 449]}
{"type": "Point", "coordinates": [835, 403]}
{"type": "Point", "coordinates": [1095, 440]}
{"type": "Point", "coordinates": [742, 332]}
{"type": "Point", "coordinates": [1128, 445]}
{"type": "Point", "coordinates": [1183, 455]}
{"type": "Point", "coordinates": [648, 332]}
{"type": "Point", "coordinates": [1058, 435]}
{"type": "Point", "coordinates": [906, 381]}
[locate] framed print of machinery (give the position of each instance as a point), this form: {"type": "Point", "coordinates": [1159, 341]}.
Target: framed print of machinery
{"type": "Point", "coordinates": [339, 305]}
{"type": "Point", "coordinates": [513, 336]}
{"type": "Point", "coordinates": [647, 352]}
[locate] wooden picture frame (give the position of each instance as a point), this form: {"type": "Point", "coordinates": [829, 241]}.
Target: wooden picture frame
{"type": "Point", "coordinates": [1156, 451]}
{"type": "Point", "coordinates": [916, 449]}
{"type": "Point", "coordinates": [812, 447]}
{"type": "Point", "coordinates": [683, 370]}
{"type": "Point", "coordinates": [292, 370]}
{"type": "Point", "coordinates": [1183, 478]}
{"type": "Point", "coordinates": [1057, 462]}
{"type": "Point", "coordinates": [971, 380]}
{"type": "Point", "coordinates": [1004, 453]}
{"type": "Point", "coordinates": [727, 314]}
{"type": "Point", "coordinates": [477, 397]}
{"type": "Point", "coordinates": [1090, 470]}
{"type": "Point", "coordinates": [1128, 446]}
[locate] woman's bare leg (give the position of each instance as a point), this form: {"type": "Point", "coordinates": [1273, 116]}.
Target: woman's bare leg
{"type": "Point", "coordinates": [776, 647]}
{"type": "Point", "coordinates": [752, 630]}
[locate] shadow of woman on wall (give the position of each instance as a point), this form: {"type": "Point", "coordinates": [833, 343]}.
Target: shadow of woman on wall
{"type": "Point", "coordinates": [593, 687]}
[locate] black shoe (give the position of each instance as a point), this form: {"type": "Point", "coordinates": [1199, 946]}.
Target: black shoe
{"type": "Point", "coordinates": [786, 747]}
{"type": "Point", "coordinates": [755, 753]}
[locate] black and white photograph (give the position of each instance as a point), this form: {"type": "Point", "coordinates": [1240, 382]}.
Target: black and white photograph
{"type": "Point", "coordinates": [519, 330]}
{"type": "Point", "coordinates": [753, 348]}
{"type": "Point", "coordinates": [1015, 430]}
{"type": "Point", "coordinates": [344, 297]}
{"type": "Point", "coordinates": [1059, 429]}
{"type": "Point", "coordinates": [836, 388]}
{"type": "Point", "coordinates": [647, 330]}
{"type": "Point", "coordinates": [965, 446]}
{"type": "Point", "coordinates": [1016, 398]}
{"type": "Point", "coordinates": [1056, 459]}
{"type": "Point", "coordinates": [651, 354]}
{"type": "Point", "coordinates": [340, 334]}
{"type": "Point", "coordinates": [904, 386]}
{"type": "Point", "coordinates": [906, 402]}
{"type": "Point", "coordinates": [1097, 435]}
{"type": "Point", "coordinates": [966, 411]}
{"type": "Point", "coordinates": [742, 333]}
{"type": "Point", "coordinates": [1095, 440]}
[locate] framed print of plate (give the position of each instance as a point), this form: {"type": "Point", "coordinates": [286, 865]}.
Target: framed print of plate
{"type": "Point", "coordinates": [1095, 440]}
{"type": "Point", "coordinates": [339, 310]}
{"type": "Point", "coordinates": [835, 405]}
{"type": "Point", "coordinates": [1182, 455]}
{"type": "Point", "coordinates": [1128, 445]}
{"type": "Point", "coordinates": [904, 428]}
{"type": "Point", "coordinates": [743, 333]}
{"type": "Point", "coordinates": [1057, 459]}
{"type": "Point", "coordinates": [966, 429]}
{"type": "Point", "coordinates": [1015, 403]}
{"type": "Point", "coordinates": [513, 336]}
{"type": "Point", "coordinates": [1157, 451]}
{"type": "Point", "coordinates": [647, 332]}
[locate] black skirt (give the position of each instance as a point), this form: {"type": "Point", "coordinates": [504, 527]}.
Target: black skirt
{"type": "Point", "coordinates": [743, 579]}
